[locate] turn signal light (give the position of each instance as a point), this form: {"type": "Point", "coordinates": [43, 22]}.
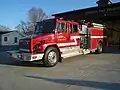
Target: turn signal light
{"type": "Point", "coordinates": [34, 57]}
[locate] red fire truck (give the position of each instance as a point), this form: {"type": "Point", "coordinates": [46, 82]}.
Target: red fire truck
{"type": "Point", "coordinates": [55, 39]}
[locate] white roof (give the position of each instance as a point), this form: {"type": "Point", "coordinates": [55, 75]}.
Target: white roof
{"type": "Point", "coordinates": [15, 31]}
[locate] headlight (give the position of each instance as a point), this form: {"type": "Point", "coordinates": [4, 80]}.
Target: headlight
{"type": "Point", "coordinates": [37, 47]}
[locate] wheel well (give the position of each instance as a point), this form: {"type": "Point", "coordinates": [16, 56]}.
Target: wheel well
{"type": "Point", "coordinates": [100, 42]}
{"type": "Point", "coordinates": [55, 47]}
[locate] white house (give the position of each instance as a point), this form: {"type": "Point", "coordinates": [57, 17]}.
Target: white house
{"type": "Point", "coordinates": [3, 32]}
{"type": "Point", "coordinates": [12, 38]}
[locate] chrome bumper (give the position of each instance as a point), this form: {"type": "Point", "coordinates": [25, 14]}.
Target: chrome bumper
{"type": "Point", "coordinates": [25, 56]}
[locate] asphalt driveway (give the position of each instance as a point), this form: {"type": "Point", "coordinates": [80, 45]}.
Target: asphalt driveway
{"type": "Point", "coordinates": [86, 72]}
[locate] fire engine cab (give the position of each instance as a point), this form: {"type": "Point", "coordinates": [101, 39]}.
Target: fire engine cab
{"type": "Point", "coordinates": [55, 39]}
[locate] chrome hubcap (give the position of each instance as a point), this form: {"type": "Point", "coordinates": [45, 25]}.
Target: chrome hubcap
{"type": "Point", "coordinates": [52, 57]}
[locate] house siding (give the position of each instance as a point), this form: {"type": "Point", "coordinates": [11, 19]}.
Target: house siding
{"type": "Point", "coordinates": [10, 39]}
{"type": "Point", "coordinates": [0, 39]}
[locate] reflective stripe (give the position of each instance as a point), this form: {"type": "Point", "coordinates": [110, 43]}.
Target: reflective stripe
{"type": "Point", "coordinates": [75, 38]}
{"type": "Point", "coordinates": [66, 44]}
{"type": "Point", "coordinates": [71, 43]}
{"type": "Point", "coordinates": [98, 36]}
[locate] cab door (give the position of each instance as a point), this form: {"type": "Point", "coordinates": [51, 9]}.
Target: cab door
{"type": "Point", "coordinates": [62, 34]}
{"type": "Point", "coordinates": [74, 34]}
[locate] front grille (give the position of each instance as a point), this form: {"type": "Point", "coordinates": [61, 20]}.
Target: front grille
{"type": "Point", "coordinates": [24, 44]}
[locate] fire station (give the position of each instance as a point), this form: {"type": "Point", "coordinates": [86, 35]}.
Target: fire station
{"type": "Point", "coordinates": [106, 13]}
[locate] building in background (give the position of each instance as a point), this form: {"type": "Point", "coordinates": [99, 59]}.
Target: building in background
{"type": "Point", "coordinates": [1, 33]}
{"type": "Point", "coordinates": [106, 13]}
{"type": "Point", "coordinates": [11, 38]}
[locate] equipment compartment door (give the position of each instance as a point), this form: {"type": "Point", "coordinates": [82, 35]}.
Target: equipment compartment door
{"type": "Point", "coordinates": [85, 38]}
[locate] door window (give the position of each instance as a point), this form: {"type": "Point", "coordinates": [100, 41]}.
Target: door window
{"type": "Point", "coordinates": [62, 27]}
{"type": "Point", "coordinates": [74, 28]}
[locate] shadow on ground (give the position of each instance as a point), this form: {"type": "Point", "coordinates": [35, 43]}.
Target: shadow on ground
{"type": "Point", "coordinates": [8, 48]}
{"type": "Point", "coordinates": [111, 50]}
{"type": "Point", "coordinates": [23, 64]}
{"type": "Point", "coordinates": [92, 84]}
{"type": "Point", "coordinates": [6, 60]}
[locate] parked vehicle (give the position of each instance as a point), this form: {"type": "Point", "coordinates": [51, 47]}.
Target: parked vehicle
{"type": "Point", "coordinates": [58, 38]}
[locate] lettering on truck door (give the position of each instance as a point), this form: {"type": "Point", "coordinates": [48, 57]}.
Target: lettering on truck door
{"type": "Point", "coordinates": [62, 35]}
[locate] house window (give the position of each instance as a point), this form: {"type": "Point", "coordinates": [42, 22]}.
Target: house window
{"type": "Point", "coordinates": [15, 40]}
{"type": "Point", "coordinates": [5, 39]}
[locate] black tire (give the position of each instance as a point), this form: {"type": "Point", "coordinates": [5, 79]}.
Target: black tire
{"type": "Point", "coordinates": [99, 48]}
{"type": "Point", "coordinates": [50, 60]}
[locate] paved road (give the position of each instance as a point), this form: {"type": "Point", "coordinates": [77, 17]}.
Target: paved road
{"type": "Point", "coordinates": [89, 72]}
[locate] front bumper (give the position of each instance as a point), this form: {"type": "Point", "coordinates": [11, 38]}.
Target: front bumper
{"type": "Point", "coordinates": [25, 56]}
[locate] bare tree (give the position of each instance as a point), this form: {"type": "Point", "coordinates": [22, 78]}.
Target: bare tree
{"type": "Point", "coordinates": [34, 15]}
{"type": "Point", "coordinates": [4, 28]}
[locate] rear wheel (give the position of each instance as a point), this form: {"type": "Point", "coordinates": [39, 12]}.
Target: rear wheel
{"type": "Point", "coordinates": [99, 48]}
{"type": "Point", "coordinates": [51, 57]}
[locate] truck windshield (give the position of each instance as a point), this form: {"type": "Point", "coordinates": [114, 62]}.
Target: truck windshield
{"type": "Point", "coordinates": [46, 26]}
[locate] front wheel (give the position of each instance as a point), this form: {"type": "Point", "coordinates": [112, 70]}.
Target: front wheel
{"type": "Point", "coordinates": [51, 57]}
